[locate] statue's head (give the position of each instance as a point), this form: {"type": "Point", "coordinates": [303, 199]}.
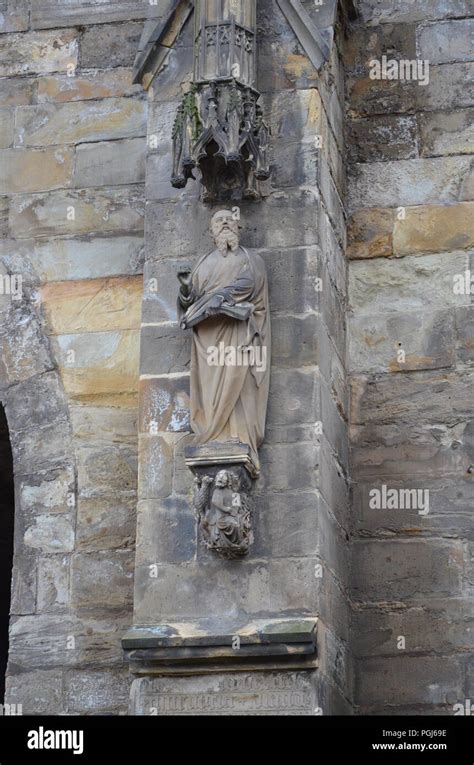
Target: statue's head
{"type": "Point", "coordinates": [225, 230]}
{"type": "Point", "coordinates": [222, 479]}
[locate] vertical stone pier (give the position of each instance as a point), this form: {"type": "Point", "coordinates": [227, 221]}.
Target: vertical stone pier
{"type": "Point", "coordinates": [267, 633]}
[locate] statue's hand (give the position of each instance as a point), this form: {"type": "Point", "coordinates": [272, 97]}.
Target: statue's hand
{"type": "Point", "coordinates": [184, 277]}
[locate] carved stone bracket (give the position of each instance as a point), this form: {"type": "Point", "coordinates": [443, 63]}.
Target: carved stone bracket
{"type": "Point", "coordinates": [222, 497]}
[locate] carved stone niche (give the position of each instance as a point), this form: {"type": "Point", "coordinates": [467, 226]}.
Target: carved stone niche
{"type": "Point", "coordinates": [222, 497]}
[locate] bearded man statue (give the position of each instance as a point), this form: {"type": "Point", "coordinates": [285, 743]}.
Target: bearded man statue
{"type": "Point", "coordinates": [225, 302]}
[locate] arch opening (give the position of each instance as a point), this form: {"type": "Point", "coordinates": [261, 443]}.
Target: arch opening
{"type": "Point", "coordinates": [7, 515]}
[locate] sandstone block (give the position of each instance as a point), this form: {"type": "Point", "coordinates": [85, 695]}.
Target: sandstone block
{"type": "Point", "coordinates": [37, 170]}
{"type": "Point", "coordinates": [102, 579]}
{"type": "Point", "coordinates": [108, 83]}
{"type": "Point", "coordinates": [104, 372]}
{"type": "Point", "coordinates": [38, 53]}
{"type": "Point", "coordinates": [435, 228]}
{"type": "Point", "coordinates": [380, 573]}
{"type": "Point", "coordinates": [77, 212]}
{"type": "Point", "coordinates": [411, 182]}
{"type": "Point", "coordinates": [446, 42]}
{"type": "Point", "coordinates": [111, 163]}
{"type": "Point", "coordinates": [93, 305]}
{"type": "Point", "coordinates": [81, 121]}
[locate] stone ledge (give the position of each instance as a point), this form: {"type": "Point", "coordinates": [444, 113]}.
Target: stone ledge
{"type": "Point", "coordinates": [188, 648]}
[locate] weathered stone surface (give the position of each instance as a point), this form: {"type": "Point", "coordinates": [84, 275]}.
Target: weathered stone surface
{"type": "Point", "coordinates": [414, 397]}
{"type": "Point", "coordinates": [292, 275]}
{"type": "Point", "coordinates": [80, 122]}
{"type": "Point", "coordinates": [446, 42]}
{"type": "Point", "coordinates": [166, 531]}
{"type": "Point", "coordinates": [444, 133]}
{"type": "Point", "coordinates": [104, 424]}
{"type": "Point", "coordinates": [295, 209]}
{"type": "Point", "coordinates": [398, 450]}
{"type": "Point", "coordinates": [102, 579]}
{"type": "Point", "coordinates": [7, 122]}
{"type": "Point", "coordinates": [116, 44]}
{"type": "Point", "coordinates": [166, 349]}
{"type": "Point", "coordinates": [288, 693]}
{"type": "Point", "coordinates": [16, 91]}
{"type": "Point", "coordinates": [435, 569]}
{"type": "Point", "coordinates": [280, 69]}
{"type": "Point", "coordinates": [382, 138]}
{"type": "Point", "coordinates": [294, 397]}
{"type": "Point", "coordinates": [97, 692]}
{"type": "Point", "coordinates": [408, 284]}
{"type": "Point", "coordinates": [75, 212]}
{"type": "Point", "coordinates": [92, 305]}
{"type": "Point", "coordinates": [464, 318]}
{"type": "Point", "coordinates": [407, 680]}
{"type": "Point", "coordinates": [54, 13]}
{"type": "Point", "coordinates": [107, 470]}
{"type": "Point", "coordinates": [105, 371]}
{"type": "Point", "coordinates": [164, 404]}
{"type": "Point", "coordinates": [334, 427]}
{"type": "Point", "coordinates": [295, 340]}
{"type": "Point", "coordinates": [48, 491]}
{"type": "Point", "coordinates": [205, 589]}
{"type": "Point", "coordinates": [434, 228]}
{"type": "Point", "coordinates": [110, 163]}
{"type": "Point", "coordinates": [105, 524]}
{"type": "Point", "coordinates": [160, 291]}
{"type": "Point", "coordinates": [276, 533]}
{"type": "Point", "coordinates": [379, 97]}
{"type": "Point", "coordinates": [24, 581]}
{"type": "Point", "coordinates": [10, 21]}
{"type": "Point", "coordinates": [370, 233]}
{"type": "Point", "coordinates": [53, 583]}
{"type": "Point", "coordinates": [372, 42]}
{"type": "Point", "coordinates": [448, 88]}
{"type": "Point", "coordinates": [289, 466]}
{"type": "Point", "coordinates": [63, 640]}
{"type": "Point", "coordinates": [24, 350]}
{"type": "Point", "coordinates": [449, 501]}
{"type": "Point", "coordinates": [412, 182]}
{"type": "Point", "coordinates": [383, 11]}
{"type": "Point", "coordinates": [306, 107]}
{"type": "Point", "coordinates": [39, 692]}
{"type": "Point", "coordinates": [156, 475]}
{"type": "Point", "coordinates": [80, 257]}
{"type": "Point", "coordinates": [50, 534]}
{"type": "Point", "coordinates": [36, 170]}
{"type": "Point", "coordinates": [38, 53]}
{"type": "Point", "coordinates": [96, 84]}
{"type": "Point", "coordinates": [334, 488]}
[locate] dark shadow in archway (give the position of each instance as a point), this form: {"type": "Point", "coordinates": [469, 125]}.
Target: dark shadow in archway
{"type": "Point", "coordinates": [7, 510]}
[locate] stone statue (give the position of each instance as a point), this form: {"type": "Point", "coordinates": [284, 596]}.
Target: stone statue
{"type": "Point", "coordinates": [224, 300]}
{"type": "Point", "coordinates": [223, 508]}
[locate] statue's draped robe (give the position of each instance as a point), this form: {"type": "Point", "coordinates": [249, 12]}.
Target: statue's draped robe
{"type": "Point", "coordinates": [229, 402]}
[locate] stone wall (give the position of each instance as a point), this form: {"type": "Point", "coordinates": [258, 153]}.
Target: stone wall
{"type": "Point", "coordinates": [72, 176]}
{"type": "Point", "coordinates": [410, 355]}
{"type": "Point", "coordinates": [94, 371]}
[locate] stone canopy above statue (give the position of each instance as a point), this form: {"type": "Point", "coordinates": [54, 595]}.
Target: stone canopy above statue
{"type": "Point", "coordinates": [220, 136]}
{"type": "Point", "coordinates": [219, 129]}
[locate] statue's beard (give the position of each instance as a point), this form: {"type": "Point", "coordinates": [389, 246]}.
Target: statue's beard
{"type": "Point", "coordinates": [227, 240]}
